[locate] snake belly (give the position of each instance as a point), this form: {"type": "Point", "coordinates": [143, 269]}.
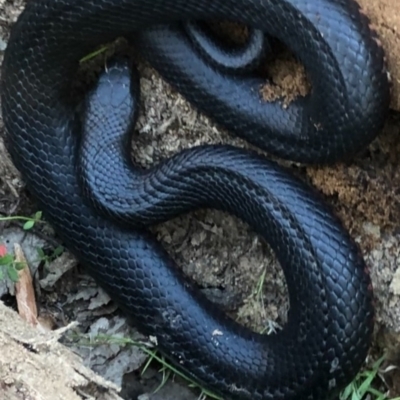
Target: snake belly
{"type": "Point", "coordinates": [330, 320]}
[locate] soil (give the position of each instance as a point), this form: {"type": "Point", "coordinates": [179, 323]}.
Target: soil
{"type": "Point", "coordinates": [220, 253]}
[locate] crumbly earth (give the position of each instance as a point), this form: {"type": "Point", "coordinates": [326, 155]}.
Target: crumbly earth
{"type": "Point", "coordinates": [228, 261]}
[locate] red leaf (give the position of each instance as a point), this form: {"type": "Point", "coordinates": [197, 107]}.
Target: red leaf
{"type": "Point", "coordinates": [3, 250]}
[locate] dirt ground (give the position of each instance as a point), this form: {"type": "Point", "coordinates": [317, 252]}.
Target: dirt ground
{"type": "Point", "coordinates": [218, 251]}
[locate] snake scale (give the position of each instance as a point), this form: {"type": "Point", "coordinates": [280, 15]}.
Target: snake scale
{"type": "Point", "coordinates": [102, 217]}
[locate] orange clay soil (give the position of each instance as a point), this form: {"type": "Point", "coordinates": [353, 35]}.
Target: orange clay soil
{"type": "Point", "coordinates": [385, 18]}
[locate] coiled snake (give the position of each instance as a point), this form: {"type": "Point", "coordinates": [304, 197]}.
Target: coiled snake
{"type": "Point", "coordinates": [330, 320]}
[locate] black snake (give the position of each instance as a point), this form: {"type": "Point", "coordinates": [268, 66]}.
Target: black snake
{"type": "Point", "coordinates": [330, 320]}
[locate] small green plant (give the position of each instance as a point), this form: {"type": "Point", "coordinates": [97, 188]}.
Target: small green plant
{"type": "Point", "coordinates": [29, 221]}
{"type": "Point", "coordinates": [362, 385]}
{"type": "Point", "coordinates": [258, 295]}
{"type": "Point", "coordinates": [47, 258]}
{"type": "Point", "coordinates": [8, 266]}
{"type": "Point", "coordinates": [167, 368]}
{"type": "Point", "coordinates": [94, 54]}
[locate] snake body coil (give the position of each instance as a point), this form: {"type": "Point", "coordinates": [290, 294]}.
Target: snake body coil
{"type": "Point", "coordinates": [330, 320]}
